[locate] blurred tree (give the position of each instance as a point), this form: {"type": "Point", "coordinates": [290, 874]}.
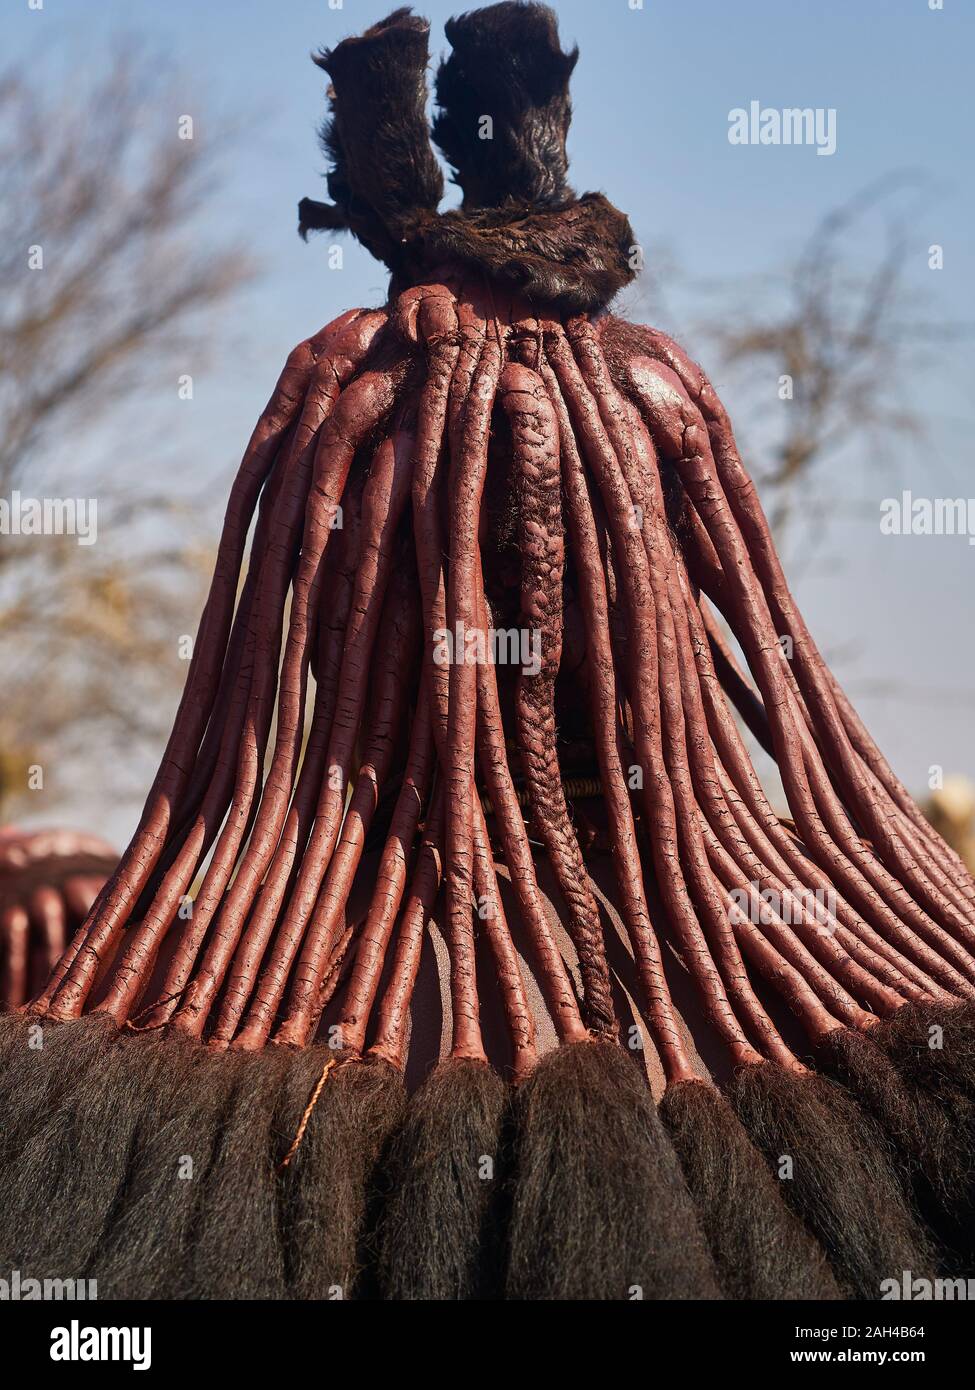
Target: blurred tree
{"type": "Point", "coordinates": [110, 282]}
{"type": "Point", "coordinates": [845, 334]}
{"type": "Point", "coordinates": [849, 329]}
{"type": "Point", "coordinates": [822, 359]}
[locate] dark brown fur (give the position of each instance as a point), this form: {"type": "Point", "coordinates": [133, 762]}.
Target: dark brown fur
{"type": "Point", "coordinates": [506, 63]}
{"type": "Point", "coordinates": [574, 260]}
{"type": "Point", "coordinates": [147, 1247]}
{"type": "Point", "coordinates": [929, 1120]}
{"type": "Point", "coordinates": [237, 1244]}
{"type": "Point", "coordinates": [383, 166]}
{"type": "Point", "coordinates": [60, 1186]}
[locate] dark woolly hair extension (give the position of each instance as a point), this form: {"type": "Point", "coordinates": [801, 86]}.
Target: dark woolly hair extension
{"type": "Point", "coordinates": [932, 1045]}
{"type": "Point", "coordinates": [507, 64]}
{"type": "Point", "coordinates": [599, 1205]}
{"type": "Point", "coordinates": [909, 1113]}
{"type": "Point", "coordinates": [933, 1049]}
{"type": "Point", "coordinates": [60, 1188]}
{"type": "Point", "coordinates": [842, 1182]}
{"type": "Point", "coordinates": [14, 1032]}
{"type": "Point", "coordinates": [439, 1234]}
{"type": "Point", "coordinates": [932, 1133]}
{"type": "Point", "coordinates": [946, 1188]}
{"type": "Point", "coordinates": [43, 1062]}
{"type": "Point", "coordinates": [761, 1249]}
{"type": "Point", "coordinates": [146, 1249]}
{"type": "Point", "coordinates": [237, 1248]}
{"type": "Point", "coordinates": [328, 1185]}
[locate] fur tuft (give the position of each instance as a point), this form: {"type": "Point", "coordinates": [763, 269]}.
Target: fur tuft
{"type": "Point", "coordinates": [328, 1188]}
{"type": "Point", "coordinates": [383, 167]}
{"type": "Point", "coordinates": [839, 1178]}
{"type": "Point", "coordinates": [864, 1070]}
{"type": "Point", "coordinates": [574, 259]}
{"type": "Point", "coordinates": [439, 1233]}
{"type": "Point", "coordinates": [42, 1062]}
{"type": "Point", "coordinates": [761, 1249]}
{"type": "Point", "coordinates": [506, 64]}
{"type": "Point", "coordinates": [521, 223]}
{"type": "Point", "coordinates": [599, 1205]}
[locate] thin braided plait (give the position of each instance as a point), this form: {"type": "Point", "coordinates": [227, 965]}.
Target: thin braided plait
{"type": "Point", "coordinates": [535, 449]}
{"type": "Point", "coordinates": [555, 981]}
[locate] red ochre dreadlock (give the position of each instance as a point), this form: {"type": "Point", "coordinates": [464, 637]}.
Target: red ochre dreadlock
{"type": "Point", "coordinates": [494, 445]}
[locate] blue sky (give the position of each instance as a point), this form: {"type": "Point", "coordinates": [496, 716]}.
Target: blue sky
{"type": "Point", "coordinates": [651, 95]}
